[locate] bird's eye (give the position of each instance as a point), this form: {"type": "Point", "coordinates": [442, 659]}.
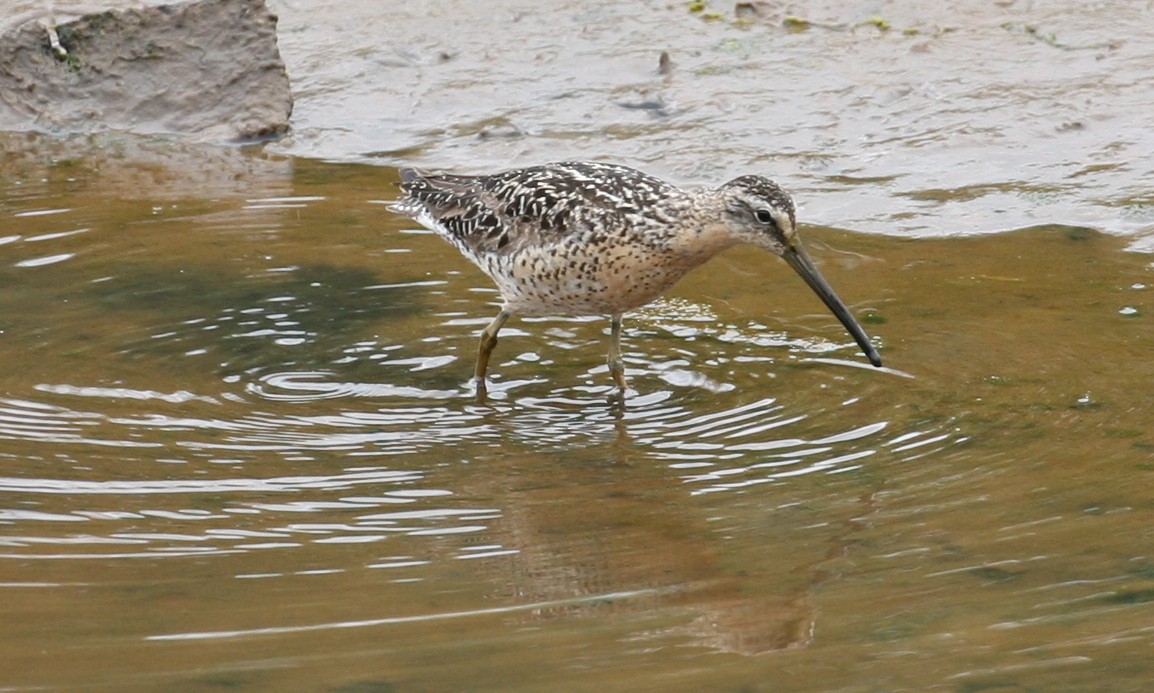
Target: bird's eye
{"type": "Point", "coordinates": [763, 216]}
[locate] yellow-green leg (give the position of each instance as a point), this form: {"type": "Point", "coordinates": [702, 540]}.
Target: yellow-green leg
{"type": "Point", "coordinates": [485, 348]}
{"type": "Point", "coordinates": [616, 365]}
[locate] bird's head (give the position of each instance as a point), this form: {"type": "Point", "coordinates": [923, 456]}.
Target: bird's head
{"type": "Point", "coordinates": [762, 214]}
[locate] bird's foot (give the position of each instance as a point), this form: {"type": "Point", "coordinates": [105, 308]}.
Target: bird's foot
{"type": "Point", "coordinates": [481, 389]}
{"type": "Point", "coordinates": [617, 371]}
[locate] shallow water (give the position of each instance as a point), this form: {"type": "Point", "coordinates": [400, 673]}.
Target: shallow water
{"type": "Point", "coordinates": [240, 448]}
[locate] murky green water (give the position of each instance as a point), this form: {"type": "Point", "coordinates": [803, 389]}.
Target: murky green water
{"type": "Point", "coordinates": [240, 451]}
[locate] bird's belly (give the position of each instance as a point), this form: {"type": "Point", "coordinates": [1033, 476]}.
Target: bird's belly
{"type": "Point", "coordinates": [586, 284]}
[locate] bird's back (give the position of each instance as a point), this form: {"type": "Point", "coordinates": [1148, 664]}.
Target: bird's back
{"type": "Point", "coordinates": [506, 212]}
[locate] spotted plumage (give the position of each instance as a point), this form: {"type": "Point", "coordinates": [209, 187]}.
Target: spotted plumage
{"type": "Point", "coordinates": [585, 238]}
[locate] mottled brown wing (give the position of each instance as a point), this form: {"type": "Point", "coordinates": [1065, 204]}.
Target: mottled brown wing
{"type": "Point", "coordinates": [536, 206]}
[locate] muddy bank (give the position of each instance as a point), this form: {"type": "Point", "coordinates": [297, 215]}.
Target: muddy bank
{"type": "Point", "coordinates": [209, 69]}
{"type": "Point", "coordinates": [912, 119]}
{"type": "Point", "coordinates": [919, 120]}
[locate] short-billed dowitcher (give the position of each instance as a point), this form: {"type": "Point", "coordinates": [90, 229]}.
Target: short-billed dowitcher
{"type": "Point", "coordinates": [585, 238]}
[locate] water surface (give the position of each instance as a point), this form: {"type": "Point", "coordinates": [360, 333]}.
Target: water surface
{"type": "Point", "coordinates": [241, 449]}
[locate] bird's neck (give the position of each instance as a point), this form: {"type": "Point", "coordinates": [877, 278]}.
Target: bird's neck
{"type": "Point", "coordinates": [704, 236]}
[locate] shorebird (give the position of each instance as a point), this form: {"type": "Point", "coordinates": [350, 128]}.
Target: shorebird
{"type": "Point", "coordinates": [586, 238]}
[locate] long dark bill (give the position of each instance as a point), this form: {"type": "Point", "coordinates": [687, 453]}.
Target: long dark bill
{"type": "Point", "coordinates": [797, 258]}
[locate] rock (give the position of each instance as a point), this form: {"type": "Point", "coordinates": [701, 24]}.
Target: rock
{"type": "Point", "coordinates": [206, 68]}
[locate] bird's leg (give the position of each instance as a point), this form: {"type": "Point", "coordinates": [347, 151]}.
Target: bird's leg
{"type": "Point", "coordinates": [616, 365]}
{"type": "Point", "coordinates": [485, 348]}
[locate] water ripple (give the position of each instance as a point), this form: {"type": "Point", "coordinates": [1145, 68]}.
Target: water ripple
{"type": "Point", "coordinates": [163, 486]}
{"type": "Point", "coordinates": [220, 504]}
{"type": "Point", "coordinates": [318, 385]}
{"type": "Point", "coordinates": [26, 420]}
{"type": "Point", "coordinates": [237, 514]}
